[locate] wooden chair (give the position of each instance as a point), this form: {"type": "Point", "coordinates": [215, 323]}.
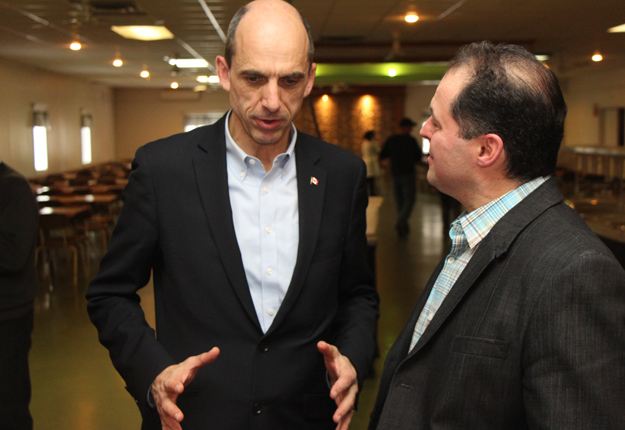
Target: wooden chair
{"type": "Point", "coordinates": [56, 232]}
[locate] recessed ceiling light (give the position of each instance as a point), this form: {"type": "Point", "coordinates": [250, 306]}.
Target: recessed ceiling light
{"type": "Point", "coordinates": [617, 29]}
{"type": "Point", "coordinates": [118, 62]}
{"type": "Point", "coordinates": [597, 57]}
{"type": "Point", "coordinates": [174, 85]}
{"type": "Point", "coordinates": [75, 46]}
{"type": "Point", "coordinates": [143, 32]}
{"type": "Point", "coordinates": [213, 79]}
{"type": "Point", "coordinates": [542, 57]}
{"type": "Point", "coordinates": [411, 17]}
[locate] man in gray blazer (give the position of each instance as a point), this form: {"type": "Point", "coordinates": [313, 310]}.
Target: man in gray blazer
{"type": "Point", "coordinates": [254, 234]}
{"type": "Point", "coordinates": [522, 324]}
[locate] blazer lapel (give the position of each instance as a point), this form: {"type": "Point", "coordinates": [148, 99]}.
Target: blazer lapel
{"type": "Point", "coordinates": [311, 186]}
{"type": "Point", "coordinates": [212, 182]}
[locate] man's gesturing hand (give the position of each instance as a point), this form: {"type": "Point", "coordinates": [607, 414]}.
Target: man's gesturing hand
{"type": "Point", "coordinates": [171, 383]}
{"type": "Point", "coordinates": [344, 383]}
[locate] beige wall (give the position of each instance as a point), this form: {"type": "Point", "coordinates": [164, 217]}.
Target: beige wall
{"type": "Point", "coordinates": [21, 86]}
{"type": "Point", "coordinates": [143, 115]}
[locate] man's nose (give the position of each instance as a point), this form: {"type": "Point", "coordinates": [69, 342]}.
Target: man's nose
{"type": "Point", "coordinates": [271, 96]}
{"type": "Point", "coordinates": [425, 130]}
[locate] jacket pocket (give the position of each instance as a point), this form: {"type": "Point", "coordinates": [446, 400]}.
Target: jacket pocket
{"type": "Point", "coordinates": [480, 346]}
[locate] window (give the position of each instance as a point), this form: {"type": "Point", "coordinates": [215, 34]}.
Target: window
{"type": "Point", "coordinates": [195, 120]}
{"type": "Point", "coordinates": [41, 124]}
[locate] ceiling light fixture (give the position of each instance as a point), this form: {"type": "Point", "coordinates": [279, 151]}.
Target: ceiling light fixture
{"type": "Point", "coordinates": [202, 78]}
{"type": "Point", "coordinates": [118, 62]}
{"type": "Point", "coordinates": [392, 73]}
{"type": "Point", "coordinates": [143, 32]}
{"type": "Point", "coordinates": [75, 46]}
{"type": "Point", "coordinates": [617, 29]}
{"type": "Point", "coordinates": [188, 63]}
{"type": "Point", "coordinates": [411, 17]}
{"type": "Point", "coordinates": [174, 85]}
{"type": "Point", "coordinates": [597, 57]}
{"type": "Point", "coordinates": [213, 79]}
{"type": "Point", "coordinates": [144, 73]}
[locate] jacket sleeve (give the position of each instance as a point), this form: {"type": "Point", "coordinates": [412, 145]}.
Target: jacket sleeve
{"type": "Point", "coordinates": [113, 303]}
{"type": "Point", "coordinates": [358, 299]}
{"type": "Point", "coordinates": [574, 360]}
{"type": "Point", "coordinates": [19, 219]}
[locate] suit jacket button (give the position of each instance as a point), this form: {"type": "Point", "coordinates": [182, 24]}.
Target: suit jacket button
{"type": "Point", "coordinates": [256, 409]}
{"type": "Point", "coordinates": [263, 347]}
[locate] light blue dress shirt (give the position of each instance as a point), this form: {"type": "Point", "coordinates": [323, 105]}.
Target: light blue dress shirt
{"type": "Point", "coordinates": [266, 221]}
{"type": "Point", "coordinates": [466, 233]}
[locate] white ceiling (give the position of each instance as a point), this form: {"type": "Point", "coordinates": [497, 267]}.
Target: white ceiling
{"type": "Point", "coordinates": [38, 32]}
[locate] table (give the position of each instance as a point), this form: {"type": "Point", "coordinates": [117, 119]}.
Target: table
{"type": "Point", "coordinates": [69, 211]}
{"type": "Point", "coordinates": [92, 189]}
{"type": "Point", "coordinates": [69, 199]}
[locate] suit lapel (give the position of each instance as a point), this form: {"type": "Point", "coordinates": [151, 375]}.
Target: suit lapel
{"type": "Point", "coordinates": [212, 182]}
{"type": "Point", "coordinates": [311, 186]}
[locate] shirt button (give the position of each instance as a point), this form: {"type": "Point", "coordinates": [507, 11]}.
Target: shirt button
{"type": "Point", "coordinates": [267, 230]}
{"type": "Point", "coordinates": [256, 409]}
{"type": "Point", "coordinates": [269, 271]}
{"type": "Point", "coordinates": [271, 312]}
{"type": "Point", "coordinates": [266, 190]}
{"type": "Point", "coordinates": [451, 259]}
{"type": "Point", "coordinates": [252, 161]}
{"type": "Point", "coordinates": [242, 174]}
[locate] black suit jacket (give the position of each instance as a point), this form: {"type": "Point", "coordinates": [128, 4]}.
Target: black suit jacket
{"type": "Point", "coordinates": [530, 336]}
{"type": "Point", "coordinates": [177, 221]}
{"type": "Point", "coordinates": [19, 220]}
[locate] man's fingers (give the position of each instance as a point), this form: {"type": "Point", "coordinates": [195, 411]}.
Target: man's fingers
{"type": "Point", "coordinates": [171, 383]}
{"type": "Point", "coordinates": [345, 421]}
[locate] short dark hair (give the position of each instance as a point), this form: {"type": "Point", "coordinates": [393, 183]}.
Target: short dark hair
{"type": "Point", "coordinates": [513, 95]}
{"type": "Point", "coordinates": [234, 24]}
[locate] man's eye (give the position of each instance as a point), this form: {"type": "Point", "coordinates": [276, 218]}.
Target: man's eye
{"type": "Point", "coordinates": [289, 82]}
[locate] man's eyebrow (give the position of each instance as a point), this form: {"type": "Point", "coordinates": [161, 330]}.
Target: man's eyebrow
{"type": "Point", "coordinates": [294, 75]}
{"type": "Point", "coordinates": [250, 72]}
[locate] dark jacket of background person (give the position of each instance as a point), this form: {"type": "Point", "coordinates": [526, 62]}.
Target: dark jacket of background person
{"type": "Point", "coordinates": [177, 221]}
{"type": "Point", "coordinates": [19, 221]}
{"type": "Point", "coordinates": [403, 152]}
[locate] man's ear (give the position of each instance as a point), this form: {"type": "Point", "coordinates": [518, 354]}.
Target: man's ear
{"type": "Point", "coordinates": [310, 79]}
{"type": "Point", "coordinates": [490, 150]}
{"type": "Point", "coordinates": [223, 71]}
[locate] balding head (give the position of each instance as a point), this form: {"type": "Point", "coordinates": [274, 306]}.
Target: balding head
{"type": "Point", "coordinates": [273, 17]}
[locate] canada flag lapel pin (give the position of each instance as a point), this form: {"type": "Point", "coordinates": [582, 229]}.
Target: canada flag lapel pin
{"type": "Point", "coordinates": [314, 181]}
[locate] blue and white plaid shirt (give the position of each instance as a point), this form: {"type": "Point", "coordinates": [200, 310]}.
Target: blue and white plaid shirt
{"type": "Point", "coordinates": [466, 233]}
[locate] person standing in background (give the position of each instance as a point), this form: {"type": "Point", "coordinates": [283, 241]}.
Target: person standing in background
{"type": "Point", "coordinates": [19, 226]}
{"type": "Point", "coordinates": [403, 153]}
{"type": "Point", "coordinates": [370, 151]}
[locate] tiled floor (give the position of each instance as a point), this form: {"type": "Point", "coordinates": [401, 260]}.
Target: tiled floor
{"type": "Point", "coordinates": [75, 386]}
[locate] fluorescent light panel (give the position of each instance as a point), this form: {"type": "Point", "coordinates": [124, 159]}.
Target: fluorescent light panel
{"type": "Point", "coordinates": [188, 63]}
{"type": "Point", "coordinates": [617, 29]}
{"type": "Point", "coordinates": [143, 32]}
